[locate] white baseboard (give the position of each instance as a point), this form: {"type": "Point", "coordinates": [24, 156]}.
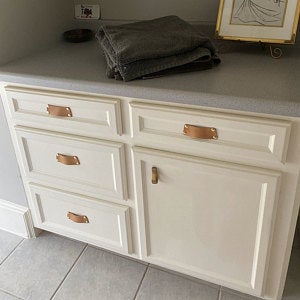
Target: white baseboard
{"type": "Point", "coordinates": [16, 219]}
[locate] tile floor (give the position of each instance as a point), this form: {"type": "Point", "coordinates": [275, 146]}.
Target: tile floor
{"type": "Point", "coordinates": [53, 267]}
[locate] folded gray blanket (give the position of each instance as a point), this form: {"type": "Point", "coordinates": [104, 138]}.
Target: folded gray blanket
{"type": "Point", "coordinates": [154, 48]}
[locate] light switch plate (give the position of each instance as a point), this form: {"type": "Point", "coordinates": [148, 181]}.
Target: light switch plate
{"type": "Point", "coordinates": [87, 11]}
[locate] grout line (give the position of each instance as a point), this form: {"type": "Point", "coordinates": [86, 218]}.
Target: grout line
{"type": "Point", "coordinates": [15, 248]}
{"type": "Point", "coordinates": [135, 259]}
{"type": "Point", "coordinates": [138, 289]}
{"type": "Point", "coordinates": [71, 268]}
{"type": "Point", "coordinates": [5, 292]}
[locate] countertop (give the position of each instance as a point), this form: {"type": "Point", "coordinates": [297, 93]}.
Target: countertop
{"type": "Point", "coordinates": [248, 79]}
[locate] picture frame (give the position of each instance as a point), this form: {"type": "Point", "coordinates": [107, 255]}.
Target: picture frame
{"type": "Point", "coordinates": [265, 21]}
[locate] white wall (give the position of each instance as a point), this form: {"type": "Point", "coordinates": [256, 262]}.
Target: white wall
{"type": "Point", "coordinates": [28, 26]}
{"type": "Point", "coordinates": [190, 10]}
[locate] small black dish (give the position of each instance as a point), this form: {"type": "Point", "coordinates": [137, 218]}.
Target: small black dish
{"type": "Point", "coordinates": [78, 35]}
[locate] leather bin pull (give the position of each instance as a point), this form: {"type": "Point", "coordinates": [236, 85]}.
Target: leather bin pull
{"type": "Point", "coordinates": [198, 132]}
{"type": "Point", "coordinates": [59, 111]}
{"type": "Point", "coordinates": [77, 218]}
{"type": "Point", "coordinates": [67, 159]}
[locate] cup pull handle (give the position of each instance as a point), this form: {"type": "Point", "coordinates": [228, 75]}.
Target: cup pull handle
{"type": "Point", "coordinates": [77, 218]}
{"type": "Point", "coordinates": [205, 133]}
{"type": "Point", "coordinates": [67, 159]}
{"type": "Point", "coordinates": [59, 111]}
{"type": "Point", "coordinates": [154, 175]}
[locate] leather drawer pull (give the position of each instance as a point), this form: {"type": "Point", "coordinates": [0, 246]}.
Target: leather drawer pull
{"type": "Point", "coordinates": [154, 175]}
{"type": "Point", "coordinates": [206, 133]}
{"type": "Point", "coordinates": [59, 111]}
{"type": "Point", "coordinates": [77, 218]}
{"type": "Point", "coordinates": [67, 160]}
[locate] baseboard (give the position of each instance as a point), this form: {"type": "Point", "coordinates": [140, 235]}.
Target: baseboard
{"type": "Point", "coordinates": [16, 219]}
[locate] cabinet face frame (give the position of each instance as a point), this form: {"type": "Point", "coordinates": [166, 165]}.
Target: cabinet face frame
{"type": "Point", "coordinates": [265, 218]}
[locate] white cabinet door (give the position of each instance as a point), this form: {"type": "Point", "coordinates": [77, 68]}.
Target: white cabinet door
{"type": "Point", "coordinates": [209, 219]}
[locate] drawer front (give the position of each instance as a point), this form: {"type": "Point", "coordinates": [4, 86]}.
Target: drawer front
{"type": "Point", "coordinates": [65, 112]}
{"type": "Point", "coordinates": [239, 136]}
{"type": "Point", "coordinates": [105, 225]}
{"type": "Point", "coordinates": [90, 167]}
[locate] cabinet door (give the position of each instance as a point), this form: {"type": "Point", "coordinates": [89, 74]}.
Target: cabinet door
{"type": "Point", "coordinates": [209, 219]}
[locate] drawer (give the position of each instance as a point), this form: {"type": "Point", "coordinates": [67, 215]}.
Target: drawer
{"type": "Point", "coordinates": [68, 112]}
{"type": "Point", "coordinates": [92, 221]}
{"type": "Point", "coordinates": [239, 136]}
{"type": "Point", "coordinates": [90, 167]}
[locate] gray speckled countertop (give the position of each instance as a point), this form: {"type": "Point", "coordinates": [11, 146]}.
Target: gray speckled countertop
{"type": "Point", "coordinates": [248, 79]}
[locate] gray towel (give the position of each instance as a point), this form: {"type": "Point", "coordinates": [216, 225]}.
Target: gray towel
{"type": "Point", "coordinates": [155, 47]}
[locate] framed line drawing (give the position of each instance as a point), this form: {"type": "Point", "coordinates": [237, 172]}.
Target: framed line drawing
{"type": "Point", "coordinates": [266, 21]}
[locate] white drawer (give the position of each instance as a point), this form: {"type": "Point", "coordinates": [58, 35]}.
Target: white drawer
{"type": "Point", "coordinates": [239, 136]}
{"type": "Point", "coordinates": [101, 168]}
{"type": "Point", "coordinates": [89, 115]}
{"type": "Point", "coordinates": [105, 225]}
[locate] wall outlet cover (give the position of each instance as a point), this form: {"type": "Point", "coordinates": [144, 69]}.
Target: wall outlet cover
{"type": "Point", "coordinates": [86, 11]}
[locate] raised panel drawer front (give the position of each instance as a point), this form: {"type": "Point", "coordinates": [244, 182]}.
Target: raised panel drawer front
{"type": "Point", "coordinates": [241, 136]}
{"type": "Point", "coordinates": [209, 219]}
{"type": "Point", "coordinates": [90, 167]}
{"type": "Point", "coordinates": [106, 225]}
{"type": "Point", "coordinates": [66, 112]}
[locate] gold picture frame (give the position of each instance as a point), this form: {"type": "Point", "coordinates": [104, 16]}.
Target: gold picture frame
{"type": "Point", "coordinates": [265, 21]}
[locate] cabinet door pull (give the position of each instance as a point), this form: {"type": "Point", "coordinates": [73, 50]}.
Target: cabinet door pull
{"type": "Point", "coordinates": [154, 175]}
{"type": "Point", "coordinates": [77, 218]}
{"type": "Point", "coordinates": [67, 159]}
{"type": "Point", "coordinates": [59, 111]}
{"type": "Point", "coordinates": [206, 133]}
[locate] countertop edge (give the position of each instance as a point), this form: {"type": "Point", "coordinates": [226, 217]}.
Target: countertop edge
{"type": "Point", "coordinates": [252, 105]}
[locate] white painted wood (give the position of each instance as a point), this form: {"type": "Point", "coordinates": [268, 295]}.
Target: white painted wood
{"type": "Point", "coordinates": [210, 218]}
{"type": "Point", "coordinates": [288, 203]}
{"type": "Point", "coordinates": [244, 137]}
{"type": "Point", "coordinates": [92, 115]}
{"type": "Point", "coordinates": [109, 224]}
{"type": "Point", "coordinates": [101, 171]}
{"type": "Point", "coordinates": [16, 219]}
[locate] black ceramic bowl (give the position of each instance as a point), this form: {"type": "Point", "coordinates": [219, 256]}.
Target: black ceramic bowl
{"type": "Point", "coordinates": [78, 35]}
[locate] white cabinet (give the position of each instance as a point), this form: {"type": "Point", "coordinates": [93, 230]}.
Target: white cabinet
{"type": "Point", "coordinates": [225, 203]}
{"type": "Point", "coordinates": [211, 218]}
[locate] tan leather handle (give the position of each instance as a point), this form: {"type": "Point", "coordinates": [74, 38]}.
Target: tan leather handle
{"type": "Point", "coordinates": [67, 159]}
{"type": "Point", "coordinates": [77, 218]}
{"type": "Point", "coordinates": [154, 175]}
{"type": "Point", "coordinates": [206, 133]}
{"type": "Point", "coordinates": [59, 111]}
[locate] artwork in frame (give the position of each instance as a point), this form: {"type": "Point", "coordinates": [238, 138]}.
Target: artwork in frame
{"type": "Point", "coordinates": [266, 21]}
